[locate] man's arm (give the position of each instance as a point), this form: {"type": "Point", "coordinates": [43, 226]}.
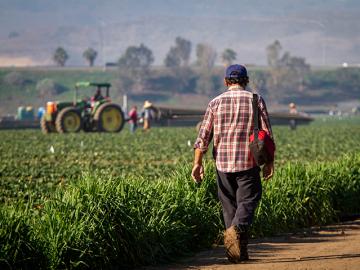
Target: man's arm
{"type": "Point", "coordinates": [201, 145]}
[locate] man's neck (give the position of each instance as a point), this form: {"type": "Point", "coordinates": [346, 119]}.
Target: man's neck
{"type": "Point", "coordinates": [236, 87]}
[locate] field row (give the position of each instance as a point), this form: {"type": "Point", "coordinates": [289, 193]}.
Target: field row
{"type": "Point", "coordinates": [33, 164]}
{"type": "Point", "coordinates": [100, 200]}
{"type": "Point", "coordinates": [101, 221]}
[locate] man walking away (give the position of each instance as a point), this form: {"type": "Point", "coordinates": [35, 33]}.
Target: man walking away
{"type": "Point", "coordinates": [229, 121]}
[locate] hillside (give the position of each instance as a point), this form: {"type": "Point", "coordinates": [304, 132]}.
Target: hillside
{"type": "Point", "coordinates": [325, 88]}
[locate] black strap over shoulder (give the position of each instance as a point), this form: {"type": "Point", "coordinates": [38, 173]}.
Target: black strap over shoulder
{"type": "Point", "coordinates": [255, 116]}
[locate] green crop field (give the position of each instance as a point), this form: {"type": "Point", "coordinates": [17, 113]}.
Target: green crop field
{"type": "Point", "coordinates": [122, 200]}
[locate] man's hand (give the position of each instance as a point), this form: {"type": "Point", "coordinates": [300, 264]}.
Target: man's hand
{"type": "Point", "coordinates": [197, 173]}
{"type": "Point", "coordinates": [268, 170]}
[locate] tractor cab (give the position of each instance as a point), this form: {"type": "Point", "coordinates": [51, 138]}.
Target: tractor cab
{"type": "Point", "coordinates": [100, 94]}
{"type": "Point", "coordinates": [95, 113]}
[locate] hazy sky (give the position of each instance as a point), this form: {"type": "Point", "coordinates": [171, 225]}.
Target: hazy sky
{"type": "Point", "coordinates": [323, 31]}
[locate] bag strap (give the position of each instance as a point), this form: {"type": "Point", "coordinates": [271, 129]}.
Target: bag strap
{"type": "Point", "coordinates": [255, 116]}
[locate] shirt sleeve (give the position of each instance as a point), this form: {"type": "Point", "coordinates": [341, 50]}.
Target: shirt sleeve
{"type": "Point", "coordinates": [205, 134]}
{"type": "Point", "coordinates": [264, 118]}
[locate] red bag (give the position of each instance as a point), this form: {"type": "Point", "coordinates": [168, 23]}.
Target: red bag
{"type": "Point", "coordinates": [261, 145]}
{"type": "Point", "coordinates": [264, 149]}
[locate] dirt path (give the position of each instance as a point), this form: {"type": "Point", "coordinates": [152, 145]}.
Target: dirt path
{"type": "Point", "coordinates": [331, 247]}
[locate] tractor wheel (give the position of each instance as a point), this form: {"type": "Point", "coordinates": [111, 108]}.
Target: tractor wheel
{"type": "Point", "coordinates": [46, 127]}
{"type": "Point", "coordinates": [109, 118]}
{"type": "Point", "coordinates": [68, 121]}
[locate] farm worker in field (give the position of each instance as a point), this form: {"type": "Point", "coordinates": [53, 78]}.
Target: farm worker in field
{"type": "Point", "coordinates": [228, 121]}
{"type": "Point", "coordinates": [147, 115]}
{"type": "Point", "coordinates": [97, 96]}
{"type": "Point", "coordinates": [133, 118]}
{"type": "Point", "coordinates": [292, 110]}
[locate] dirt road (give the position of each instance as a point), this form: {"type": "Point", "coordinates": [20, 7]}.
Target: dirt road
{"type": "Point", "coordinates": [331, 247]}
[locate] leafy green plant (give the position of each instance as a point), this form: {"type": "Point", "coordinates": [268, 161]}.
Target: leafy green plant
{"type": "Point", "coordinates": [99, 200]}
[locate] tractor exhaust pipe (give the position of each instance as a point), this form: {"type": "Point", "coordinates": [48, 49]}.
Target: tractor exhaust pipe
{"type": "Point", "coordinates": [125, 104]}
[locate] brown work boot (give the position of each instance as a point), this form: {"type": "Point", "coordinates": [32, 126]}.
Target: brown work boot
{"type": "Point", "coordinates": [232, 244]}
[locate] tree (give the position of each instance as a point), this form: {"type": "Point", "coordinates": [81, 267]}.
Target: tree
{"type": "Point", "coordinates": [183, 49]}
{"type": "Point", "coordinates": [178, 55]}
{"type": "Point", "coordinates": [137, 58]}
{"type": "Point", "coordinates": [177, 59]}
{"type": "Point", "coordinates": [296, 69]}
{"type": "Point", "coordinates": [90, 55]}
{"type": "Point", "coordinates": [273, 53]}
{"type": "Point", "coordinates": [228, 56]}
{"type": "Point", "coordinates": [60, 56]}
{"type": "Point", "coordinates": [206, 56]}
{"type": "Point", "coordinates": [172, 59]}
{"type": "Point", "coordinates": [136, 62]}
{"type": "Point", "coordinates": [287, 72]}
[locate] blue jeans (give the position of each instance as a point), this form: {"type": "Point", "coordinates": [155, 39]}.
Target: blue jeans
{"type": "Point", "coordinates": [133, 127]}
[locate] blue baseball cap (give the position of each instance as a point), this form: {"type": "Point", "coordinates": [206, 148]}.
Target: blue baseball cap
{"type": "Point", "coordinates": [236, 71]}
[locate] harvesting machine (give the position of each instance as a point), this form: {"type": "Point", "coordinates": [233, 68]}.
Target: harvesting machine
{"type": "Point", "coordinates": [95, 114]}
{"type": "Point", "coordinates": [170, 116]}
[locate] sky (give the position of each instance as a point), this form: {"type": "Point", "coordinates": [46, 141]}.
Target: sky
{"type": "Point", "coordinates": [323, 32]}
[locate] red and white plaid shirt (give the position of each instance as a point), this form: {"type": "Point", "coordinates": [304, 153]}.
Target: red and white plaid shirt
{"type": "Point", "coordinates": [230, 117]}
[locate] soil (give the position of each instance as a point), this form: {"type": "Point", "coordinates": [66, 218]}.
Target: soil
{"type": "Point", "coordinates": [331, 247]}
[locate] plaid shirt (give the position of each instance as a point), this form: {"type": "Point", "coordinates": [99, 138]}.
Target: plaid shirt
{"type": "Point", "coordinates": [230, 117]}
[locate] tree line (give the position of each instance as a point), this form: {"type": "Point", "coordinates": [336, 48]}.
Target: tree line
{"type": "Point", "coordinates": [135, 64]}
{"type": "Point", "coordinates": [177, 55]}
{"type": "Point", "coordinates": [285, 78]}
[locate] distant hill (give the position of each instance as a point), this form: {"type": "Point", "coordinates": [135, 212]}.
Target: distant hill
{"type": "Point", "coordinates": [325, 88]}
{"type": "Point", "coordinates": [323, 31]}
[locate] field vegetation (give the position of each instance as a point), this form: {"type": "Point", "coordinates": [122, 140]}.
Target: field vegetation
{"type": "Point", "coordinates": [122, 200]}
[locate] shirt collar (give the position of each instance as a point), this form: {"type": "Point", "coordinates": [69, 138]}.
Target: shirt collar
{"type": "Point", "coordinates": [236, 87]}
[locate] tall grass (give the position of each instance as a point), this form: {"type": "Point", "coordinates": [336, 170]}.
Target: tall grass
{"type": "Point", "coordinates": [18, 243]}
{"type": "Point", "coordinates": [304, 195]}
{"type": "Point", "coordinates": [107, 222]}
{"type": "Point", "coordinates": [124, 222]}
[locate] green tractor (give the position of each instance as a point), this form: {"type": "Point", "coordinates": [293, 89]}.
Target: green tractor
{"type": "Point", "coordinates": [95, 114]}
